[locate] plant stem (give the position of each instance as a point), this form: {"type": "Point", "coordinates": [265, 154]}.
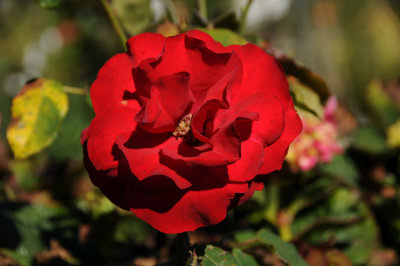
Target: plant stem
{"type": "Point", "coordinates": [285, 232]}
{"type": "Point", "coordinates": [202, 5]}
{"type": "Point", "coordinates": [195, 258]}
{"type": "Point", "coordinates": [172, 11]}
{"type": "Point", "coordinates": [271, 211]}
{"type": "Point", "coordinates": [115, 22]}
{"type": "Point", "coordinates": [242, 25]}
{"type": "Point", "coordinates": [74, 90]}
{"type": "Point", "coordinates": [182, 249]}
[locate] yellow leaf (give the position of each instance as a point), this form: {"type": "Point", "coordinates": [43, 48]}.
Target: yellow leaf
{"type": "Point", "coordinates": [37, 112]}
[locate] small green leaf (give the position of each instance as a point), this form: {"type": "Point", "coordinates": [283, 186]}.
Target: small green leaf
{"type": "Point", "coordinates": [370, 140]}
{"type": "Point", "coordinates": [37, 113]}
{"type": "Point", "coordinates": [244, 235]}
{"type": "Point", "coordinates": [342, 167]}
{"type": "Point", "coordinates": [307, 77]}
{"type": "Point", "coordinates": [49, 3]}
{"type": "Point", "coordinates": [24, 172]}
{"type": "Point", "coordinates": [225, 36]}
{"type": "Point", "coordinates": [135, 15]}
{"type": "Point", "coordinates": [305, 98]}
{"type": "Point", "coordinates": [393, 135]}
{"type": "Point", "coordinates": [284, 250]}
{"type": "Point", "coordinates": [130, 228]}
{"type": "Point", "coordinates": [381, 103]}
{"type": "Point", "coordinates": [244, 259]}
{"type": "Point", "coordinates": [215, 256]}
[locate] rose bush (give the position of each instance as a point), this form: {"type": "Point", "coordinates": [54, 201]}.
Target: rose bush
{"type": "Point", "coordinates": [184, 127]}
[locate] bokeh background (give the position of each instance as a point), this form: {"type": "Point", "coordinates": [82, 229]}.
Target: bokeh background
{"type": "Point", "coordinates": [51, 213]}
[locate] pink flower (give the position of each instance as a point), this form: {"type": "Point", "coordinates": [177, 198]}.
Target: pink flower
{"type": "Point", "coordinates": [318, 141]}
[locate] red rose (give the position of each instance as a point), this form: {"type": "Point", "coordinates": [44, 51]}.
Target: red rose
{"type": "Point", "coordinates": [184, 125]}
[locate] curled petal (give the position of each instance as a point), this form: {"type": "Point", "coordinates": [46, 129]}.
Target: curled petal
{"type": "Point", "coordinates": [261, 74]}
{"type": "Point", "coordinates": [113, 81]}
{"type": "Point", "coordinates": [245, 169]}
{"type": "Point", "coordinates": [145, 46]}
{"type": "Point", "coordinates": [101, 135]}
{"type": "Point", "coordinates": [141, 151]}
{"type": "Point", "coordinates": [275, 153]}
{"type": "Point", "coordinates": [194, 209]}
{"type": "Point", "coordinates": [169, 101]}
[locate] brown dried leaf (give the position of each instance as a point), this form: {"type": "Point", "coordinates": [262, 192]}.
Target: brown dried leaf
{"type": "Point", "coordinates": [56, 253]}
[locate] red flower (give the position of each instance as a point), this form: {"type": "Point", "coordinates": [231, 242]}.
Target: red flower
{"type": "Point", "coordinates": [184, 125]}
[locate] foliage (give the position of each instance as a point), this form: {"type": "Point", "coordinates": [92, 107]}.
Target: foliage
{"type": "Point", "coordinates": [37, 112]}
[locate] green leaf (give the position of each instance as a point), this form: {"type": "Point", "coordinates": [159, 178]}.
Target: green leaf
{"type": "Point", "coordinates": [305, 98]}
{"type": "Point", "coordinates": [342, 201]}
{"type": "Point", "coordinates": [31, 221]}
{"type": "Point", "coordinates": [215, 256]}
{"type": "Point", "coordinates": [244, 259]}
{"type": "Point", "coordinates": [244, 235]}
{"type": "Point", "coordinates": [49, 3]}
{"type": "Point", "coordinates": [37, 112]}
{"type": "Point", "coordinates": [393, 135]}
{"type": "Point", "coordinates": [135, 15]}
{"type": "Point", "coordinates": [284, 250]}
{"type": "Point", "coordinates": [381, 103]}
{"type": "Point", "coordinates": [225, 36]}
{"type": "Point", "coordinates": [342, 167]}
{"type": "Point", "coordinates": [302, 73]}
{"type": "Point", "coordinates": [130, 228]}
{"type": "Point", "coordinates": [21, 259]}
{"type": "Point", "coordinates": [370, 140]}
{"type": "Point", "coordinates": [24, 172]}
{"type": "Point", "coordinates": [344, 219]}
{"type": "Point", "coordinates": [67, 145]}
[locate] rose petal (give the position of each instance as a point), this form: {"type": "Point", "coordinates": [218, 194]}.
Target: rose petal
{"type": "Point", "coordinates": [141, 150]}
{"type": "Point", "coordinates": [241, 198]}
{"type": "Point", "coordinates": [208, 41]}
{"type": "Point", "coordinates": [194, 209]}
{"type": "Point", "coordinates": [186, 54]}
{"type": "Point", "coordinates": [144, 46]}
{"type": "Point", "coordinates": [261, 74]}
{"type": "Point", "coordinates": [101, 134]}
{"type": "Point", "coordinates": [113, 81]}
{"type": "Point", "coordinates": [252, 158]}
{"type": "Point", "coordinates": [270, 123]}
{"type": "Point", "coordinates": [111, 186]}
{"type": "Point", "coordinates": [224, 149]}
{"type": "Point", "coordinates": [276, 152]}
{"type": "Point", "coordinates": [206, 105]}
{"type": "Point", "coordinates": [170, 100]}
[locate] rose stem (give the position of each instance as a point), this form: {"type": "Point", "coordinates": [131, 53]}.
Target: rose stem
{"type": "Point", "coordinates": [182, 249]}
{"type": "Point", "coordinates": [242, 25]}
{"type": "Point", "coordinates": [115, 23]}
{"type": "Point", "coordinates": [74, 90]}
{"type": "Point", "coordinates": [202, 5]}
{"type": "Point", "coordinates": [172, 11]}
